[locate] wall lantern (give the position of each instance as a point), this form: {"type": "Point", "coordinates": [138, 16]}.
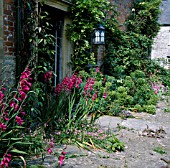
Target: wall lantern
{"type": "Point", "coordinates": [99, 35]}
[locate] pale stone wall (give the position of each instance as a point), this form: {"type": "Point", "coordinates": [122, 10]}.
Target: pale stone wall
{"type": "Point", "coordinates": [161, 45]}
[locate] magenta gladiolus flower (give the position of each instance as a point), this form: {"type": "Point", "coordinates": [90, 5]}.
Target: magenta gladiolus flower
{"type": "Point", "coordinates": [23, 113]}
{"type": "Point", "coordinates": [22, 94]}
{"type": "Point", "coordinates": [1, 95]}
{"type": "Point", "coordinates": [7, 119]}
{"type": "Point", "coordinates": [19, 120]}
{"type": "Point", "coordinates": [94, 96]}
{"type": "Point", "coordinates": [12, 104]}
{"type": "Point", "coordinates": [48, 76]}
{"type": "Point", "coordinates": [5, 161]}
{"type": "Point", "coordinates": [69, 83]}
{"type": "Point", "coordinates": [97, 69]}
{"type": "Point", "coordinates": [49, 150]}
{"type": "Point", "coordinates": [3, 126]}
{"type": "Point", "coordinates": [16, 107]}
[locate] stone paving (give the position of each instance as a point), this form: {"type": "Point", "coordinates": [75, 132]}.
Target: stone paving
{"type": "Point", "coordinates": [141, 135]}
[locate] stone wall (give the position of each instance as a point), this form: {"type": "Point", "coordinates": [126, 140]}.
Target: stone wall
{"type": "Point", "coordinates": [161, 46]}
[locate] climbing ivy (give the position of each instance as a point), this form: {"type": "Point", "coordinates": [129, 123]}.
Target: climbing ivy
{"type": "Point", "coordinates": [128, 50]}
{"type": "Point", "coordinates": [144, 18]}
{"type": "Point", "coordinates": [85, 15]}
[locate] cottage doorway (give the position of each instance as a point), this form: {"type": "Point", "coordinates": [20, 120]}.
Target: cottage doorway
{"type": "Point", "coordinates": [56, 17]}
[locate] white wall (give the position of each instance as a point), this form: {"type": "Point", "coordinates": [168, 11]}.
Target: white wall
{"type": "Point", "coordinates": [161, 46]}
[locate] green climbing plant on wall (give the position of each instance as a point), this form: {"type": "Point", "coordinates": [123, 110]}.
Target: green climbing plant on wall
{"type": "Point", "coordinates": [85, 16]}
{"type": "Point", "coordinates": [128, 50]}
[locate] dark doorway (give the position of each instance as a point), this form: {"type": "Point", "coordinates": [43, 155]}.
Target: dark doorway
{"type": "Point", "coordinates": [57, 21]}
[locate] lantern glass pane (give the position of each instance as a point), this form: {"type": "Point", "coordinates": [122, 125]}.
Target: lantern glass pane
{"type": "Point", "coordinates": [97, 36]}
{"type": "Point", "coordinates": [102, 36]}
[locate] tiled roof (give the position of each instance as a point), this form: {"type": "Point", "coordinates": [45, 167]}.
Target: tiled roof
{"type": "Point", "coordinates": [164, 18]}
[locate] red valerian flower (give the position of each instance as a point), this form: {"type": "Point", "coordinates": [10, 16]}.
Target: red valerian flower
{"type": "Point", "coordinates": [19, 120]}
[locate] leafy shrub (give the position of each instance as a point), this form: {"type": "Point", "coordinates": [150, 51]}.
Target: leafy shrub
{"type": "Point", "coordinates": [138, 108]}
{"type": "Point", "coordinates": [150, 109]}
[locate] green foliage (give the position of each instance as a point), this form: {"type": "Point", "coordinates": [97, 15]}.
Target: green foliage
{"type": "Point", "coordinates": [150, 109]}
{"type": "Point", "coordinates": [133, 92]}
{"type": "Point", "coordinates": [138, 108]}
{"type": "Point", "coordinates": [85, 17]}
{"type": "Point", "coordinates": [160, 150]}
{"type": "Point", "coordinates": [144, 18]}
{"type": "Point", "coordinates": [127, 50]}
{"type": "Point", "coordinates": [113, 144]}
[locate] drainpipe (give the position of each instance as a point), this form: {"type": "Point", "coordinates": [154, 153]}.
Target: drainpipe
{"type": "Point", "coordinates": [18, 39]}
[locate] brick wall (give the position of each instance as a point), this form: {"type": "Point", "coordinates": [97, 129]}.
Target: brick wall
{"type": "Point", "coordinates": [9, 35]}
{"type": "Point", "coordinates": [124, 8]}
{"type": "Point", "coordinates": [1, 37]}
{"type": "Point", "coordinates": [9, 27]}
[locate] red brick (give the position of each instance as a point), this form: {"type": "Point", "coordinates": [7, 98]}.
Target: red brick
{"type": "Point", "coordinates": [9, 1]}
{"type": "Point", "coordinates": [8, 12]}
{"type": "Point", "coordinates": [9, 44]}
{"type": "Point", "coordinates": [11, 28]}
{"type": "Point", "coordinates": [11, 18]}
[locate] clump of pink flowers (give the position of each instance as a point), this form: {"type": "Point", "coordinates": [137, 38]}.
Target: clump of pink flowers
{"type": "Point", "coordinates": [157, 87]}
{"type": "Point", "coordinates": [69, 83]}
{"type": "Point", "coordinates": [48, 75]}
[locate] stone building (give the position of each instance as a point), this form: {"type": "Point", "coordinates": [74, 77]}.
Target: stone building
{"type": "Point", "coordinates": [161, 46]}
{"type": "Point", "coordinates": [9, 42]}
